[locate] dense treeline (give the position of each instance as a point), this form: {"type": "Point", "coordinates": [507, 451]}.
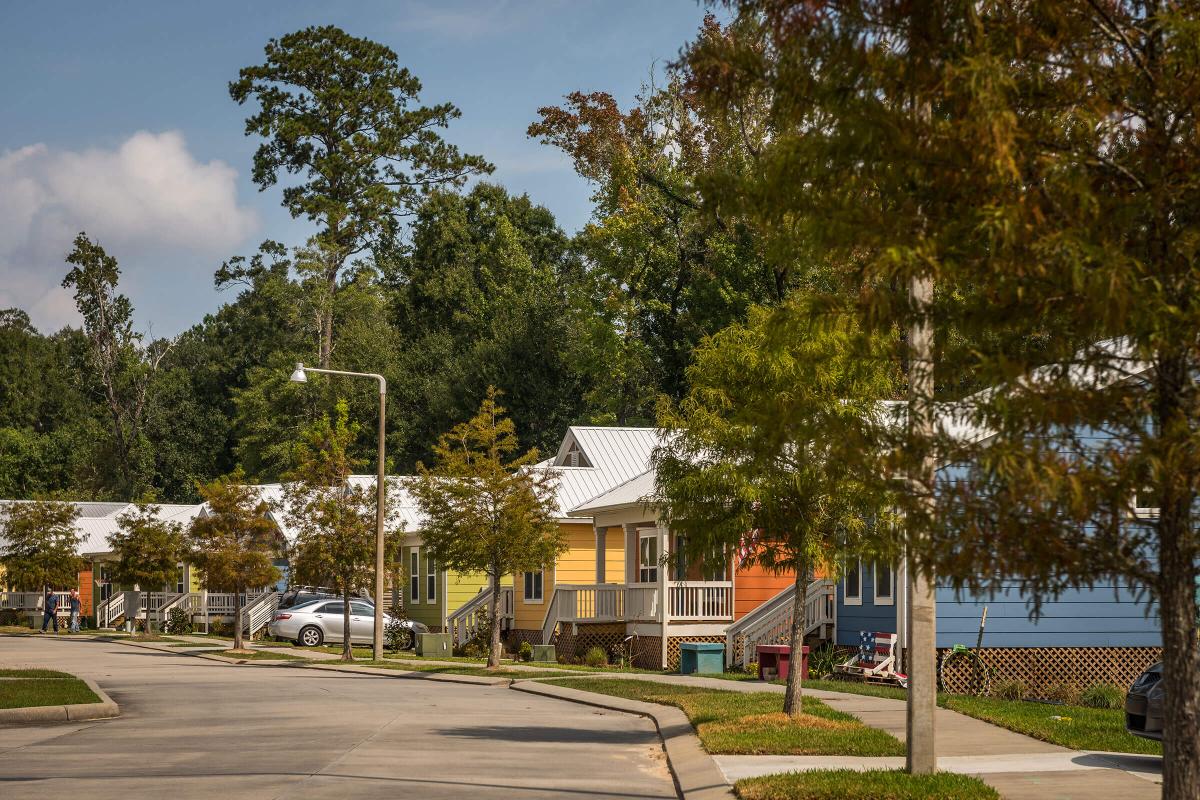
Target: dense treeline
{"type": "Point", "coordinates": [442, 288]}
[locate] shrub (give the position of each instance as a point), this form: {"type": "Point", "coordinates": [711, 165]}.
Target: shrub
{"type": "Point", "coordinates": [219, 627]}
{"type": "Point", "coordinates": [179, 621]}
{"type": "Point", "coordinates": [1062, 693]}
{"type": "Point", "coordinates": [1009, 690]}
{"type": "Point", "coordinates": [596, 657]}
{"type": "Point", "coordinates": [475, 648]}
{"type": "Point", "coordinates": [11, 616]}
{"type": "Point", "coordinates": [526, 651]}
{"type": "Point", "coordinates": [751, 667]}
{"type": "Point", "coordinates": [821, 661]}
{"type": "Point", "coordinates": [396, 635]}
{"type": "Point", "coordinates": [1104, 695]}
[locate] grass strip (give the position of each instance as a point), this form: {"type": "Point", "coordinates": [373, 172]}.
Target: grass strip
{"type": "Point", "coordinates": [874, 784]}
{"type": "Point", "coordinates": [1077, 727]}
{"type": "Point", "coordinates": [26, 688]}
{"type": "Point", "coordinates": [753, 723]}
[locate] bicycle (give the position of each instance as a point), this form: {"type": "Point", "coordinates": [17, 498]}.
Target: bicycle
{"type": "Point", "coordinates": [961, 657]}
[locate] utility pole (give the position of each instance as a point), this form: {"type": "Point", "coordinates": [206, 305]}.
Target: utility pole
{"type": "Point", "coordinates": [921, 606]}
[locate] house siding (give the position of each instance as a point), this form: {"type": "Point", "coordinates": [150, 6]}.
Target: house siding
{"type": "Point", "coordinates": [754, 586]}
{"type": "Point", "coordinates": [576, 565]}
{"type": "Point", "coordinates": [866, 617]}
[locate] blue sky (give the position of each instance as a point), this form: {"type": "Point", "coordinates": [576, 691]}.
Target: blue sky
{"type": "Point", "coordinates": [116, 120]}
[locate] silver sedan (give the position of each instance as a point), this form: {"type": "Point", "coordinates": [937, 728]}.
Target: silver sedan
{"type": "Point", "coordinates": [320, 621]}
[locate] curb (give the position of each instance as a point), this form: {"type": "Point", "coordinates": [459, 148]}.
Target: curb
{"type": "Point", "coordinates": [74, 712]}
{"type": "Point", "coordinates": [697, 776]}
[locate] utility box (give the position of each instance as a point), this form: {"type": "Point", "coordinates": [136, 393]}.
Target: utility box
{"type": "Point", "coordinates": [544, 652]}
{"type": "Point", "coordinates": [699, 658]}
{"type": "Point", "coordinates": [433, 644]}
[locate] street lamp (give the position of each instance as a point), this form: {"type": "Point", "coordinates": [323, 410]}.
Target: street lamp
{"type": "Point", "coordinates": [300, 375]}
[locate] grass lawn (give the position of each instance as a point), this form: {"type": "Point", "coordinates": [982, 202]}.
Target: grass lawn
{"type": "Point", "coordinates": [753, 723]}
{"type": "Point", "coordinates": [260, 655]}
{"type": "Point", "coordinates": [874, 784]}
{"type": "Point", "coordinates": [858, 687]}
{"type": "Point", "coordinates": [23, 688]}
{"type": "Point", "coordinates": [1082, 729]}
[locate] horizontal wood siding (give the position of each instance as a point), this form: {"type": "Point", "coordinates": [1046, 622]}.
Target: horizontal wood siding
{"type": "Point", "coordinates": [614, 555]}
{"type": "Point", "coordinates": [577, 565]}
{"type": "Point", "coordinates": [461, 587]}
{"type": "Point", "coordinates": [1104, 616]}
{"type": "Point", "coordinates": [754, 586]}
{"type": "Point", "coordinates": [851, 620]}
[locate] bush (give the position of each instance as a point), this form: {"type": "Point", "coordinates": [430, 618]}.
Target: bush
{"type": "Point", "coordinates": [525, 651]}
{"type": "Point", "coordinates": [596, 657]}
{"type": "Point", "coordinates": [475, 648]}
{"type": "Point", "coordinates": [219, 627]}
{"type": "Point", "coordinates": [1009, 690]}
{"type": "Point", "coordinates": [821, 661]}
{"type": "Point", "coordinates": [11, 616]}
{"type": "Point", "coordinates": [751, 668]}
{"type": "Point", "coordinates": [1104, 695]}
{"type": "Point", "coordinates": [179, 621]}
{"type": "Point", "coordinates": [1062, 693]}
{"type": "Point", "coordinates": [396, 635]}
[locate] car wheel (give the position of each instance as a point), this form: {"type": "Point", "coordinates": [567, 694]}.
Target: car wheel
{"type": "Point", "coordinates": [310, 636]}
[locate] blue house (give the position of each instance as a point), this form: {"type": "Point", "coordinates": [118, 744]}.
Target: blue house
{"type": "Point", "coordinates": [1102, 634]}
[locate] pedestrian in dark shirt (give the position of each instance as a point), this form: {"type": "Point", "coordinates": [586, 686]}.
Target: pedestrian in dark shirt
{"type": "Point", "coordinates": [50, 611]}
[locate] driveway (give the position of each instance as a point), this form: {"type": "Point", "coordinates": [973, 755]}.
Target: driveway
{"type": "Point", "coordinates": [192, 728]}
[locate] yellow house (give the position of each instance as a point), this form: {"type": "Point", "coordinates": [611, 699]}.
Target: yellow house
{"type": "Point", "coordinates": [590, 461]}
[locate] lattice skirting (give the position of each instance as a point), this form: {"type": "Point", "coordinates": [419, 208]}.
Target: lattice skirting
{"type": "Point", "coordinates": [1043, 668]}
{"type": "Point", "coordinates": [673, 643]}
{"type": "Point", "coordinates": [517, 635]}
{"type": "Point", "coordinates": [571, 647]}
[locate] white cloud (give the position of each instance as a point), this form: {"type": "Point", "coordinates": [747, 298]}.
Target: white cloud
{"type": "Point", "coordinates": [148, 196]}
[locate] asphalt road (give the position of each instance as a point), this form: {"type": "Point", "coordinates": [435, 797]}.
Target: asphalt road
{"type": "Point", "coordinates": [192, 728]}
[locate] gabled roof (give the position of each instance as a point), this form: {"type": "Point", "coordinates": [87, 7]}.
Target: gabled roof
{"type": "Point", "coordinates": [608, 456]}
{"type": "Point", "coordinates": [637, 491]}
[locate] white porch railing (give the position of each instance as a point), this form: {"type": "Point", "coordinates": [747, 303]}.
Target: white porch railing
{"type": "Point", "coordinates": [467, 620]}
{"type": "Point", "coordinates": [771, 623]}
{"type": "Point", "coordinates": [34, 602]}
{"type": "Point", "coordinates": [641, 603]}
{"type": "Point", "coordinates": [110, 610]}
{"type": "Point", "coordinates": [700, 600]}
{"type": "Point", "coordinates": [259, 612]}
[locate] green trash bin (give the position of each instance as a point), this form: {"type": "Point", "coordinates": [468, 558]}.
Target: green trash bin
{"type": "Point", "coordinates": [701, 658]}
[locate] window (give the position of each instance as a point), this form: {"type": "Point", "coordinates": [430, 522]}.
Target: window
{"type": "Point", "coordinates": [105, 582]}
{"type": "Point", "coordinates": [1144, 504]}
{"type": "Point", "coordinates": [648, 556]}
{"type": "Point", "coordinates": [361, 610]}
{"type": "Point", "coordinates": [852, 585]}
{"type": "Point", "coordinates": [181, 585]}
{"type": "Point", "coordinates": [430, 579]}
{"type": "Point", "coordinates": [885, 590]}
{"type": "Point", "coordinates": [680, 558]}
{"type": "Point", "coordinates": [332, 608]}
{"type": "Point", "coordinates": [574, 457]}
{"type": "Point", "coordinates": [533, 586]}
{"type": "Point", "coordinates": [414, 575]}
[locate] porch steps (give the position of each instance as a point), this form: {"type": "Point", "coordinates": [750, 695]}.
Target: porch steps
{"type": "Point", "coordinates": [771, 623]}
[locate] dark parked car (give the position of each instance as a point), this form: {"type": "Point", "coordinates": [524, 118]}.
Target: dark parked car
{"type": "Point", "coordinates": [1144, 704]}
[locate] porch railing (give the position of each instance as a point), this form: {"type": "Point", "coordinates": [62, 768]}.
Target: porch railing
{"type": "Point", "coordinates": [467, 620]}
{"type": "Point", "coordinates": [701, 600]}
{"type": "Point", "coordinates": [771, 623]}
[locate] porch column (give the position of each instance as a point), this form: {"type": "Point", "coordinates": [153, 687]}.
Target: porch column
{"type": "Point", "coordinates": [601, 551]}
{"type": "Point", "coordinates": [664, 612]}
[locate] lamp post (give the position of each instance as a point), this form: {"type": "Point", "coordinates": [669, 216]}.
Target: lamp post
{"type": "Point", "coordinates": [300, 375]}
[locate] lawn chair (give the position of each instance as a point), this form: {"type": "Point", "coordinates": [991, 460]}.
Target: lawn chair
{"type": "Point", "coordinates": [875, 660]}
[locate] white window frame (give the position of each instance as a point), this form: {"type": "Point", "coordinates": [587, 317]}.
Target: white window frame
{"type": "Point", "coordinates": [540, 583]}
{"type": "Point", "coordinates": [414, 575]}
{"type": "Point", "coordinates": [847, 598]}
{"type": "Point", "coordinates": [888, 599]}
{"type": "Point", "coordinates": [1144, 512]}
{"type": "Point", "coordinates": [431, 581]}
{"type": "Point", "coordinates": [648, 533]}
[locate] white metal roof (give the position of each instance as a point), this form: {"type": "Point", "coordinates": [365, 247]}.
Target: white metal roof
{"type": "Point", "coordinates": [637, 491]}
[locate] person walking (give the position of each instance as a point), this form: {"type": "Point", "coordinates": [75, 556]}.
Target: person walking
{"type": "Point", "coordinates": [50, 611]}
{"type": "Point", "coordinates": [76, 606]}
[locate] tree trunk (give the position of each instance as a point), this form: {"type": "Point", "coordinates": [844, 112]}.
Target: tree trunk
{"type": "Point", "coordinates": [793, 698]}
{"type": "Point", "coordinates": [494, 623]}
{"type": "Point", "coordinates": [1177, 588]}
{"type": "Point", "coordinates": [238, 640]}
{"type": "Point", "coordinates": [326, 336]}
{"type": "Point", "coordinates": [347, 646]}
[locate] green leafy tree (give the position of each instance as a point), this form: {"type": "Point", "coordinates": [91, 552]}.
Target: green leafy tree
{"type": "Point", "coordinates": [233, 543]}
{"type": "Point", "coordinates": [148, 551]}
{"type": "Point", "coordinates": [121, 363]}
{"type": "Point", "coordinates": [486, 511]}
{"type": "Point", "coordinates": [39, 545]}
{"type": "Point", "coordinates": [762, 453]}
{"type": "Point", "coordinates": [333, 520]}
{"type": "Point", "coordinates": [340, 112]}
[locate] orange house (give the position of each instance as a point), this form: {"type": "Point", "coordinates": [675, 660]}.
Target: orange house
{"type": "Point", "coordinates": [662, 600]}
